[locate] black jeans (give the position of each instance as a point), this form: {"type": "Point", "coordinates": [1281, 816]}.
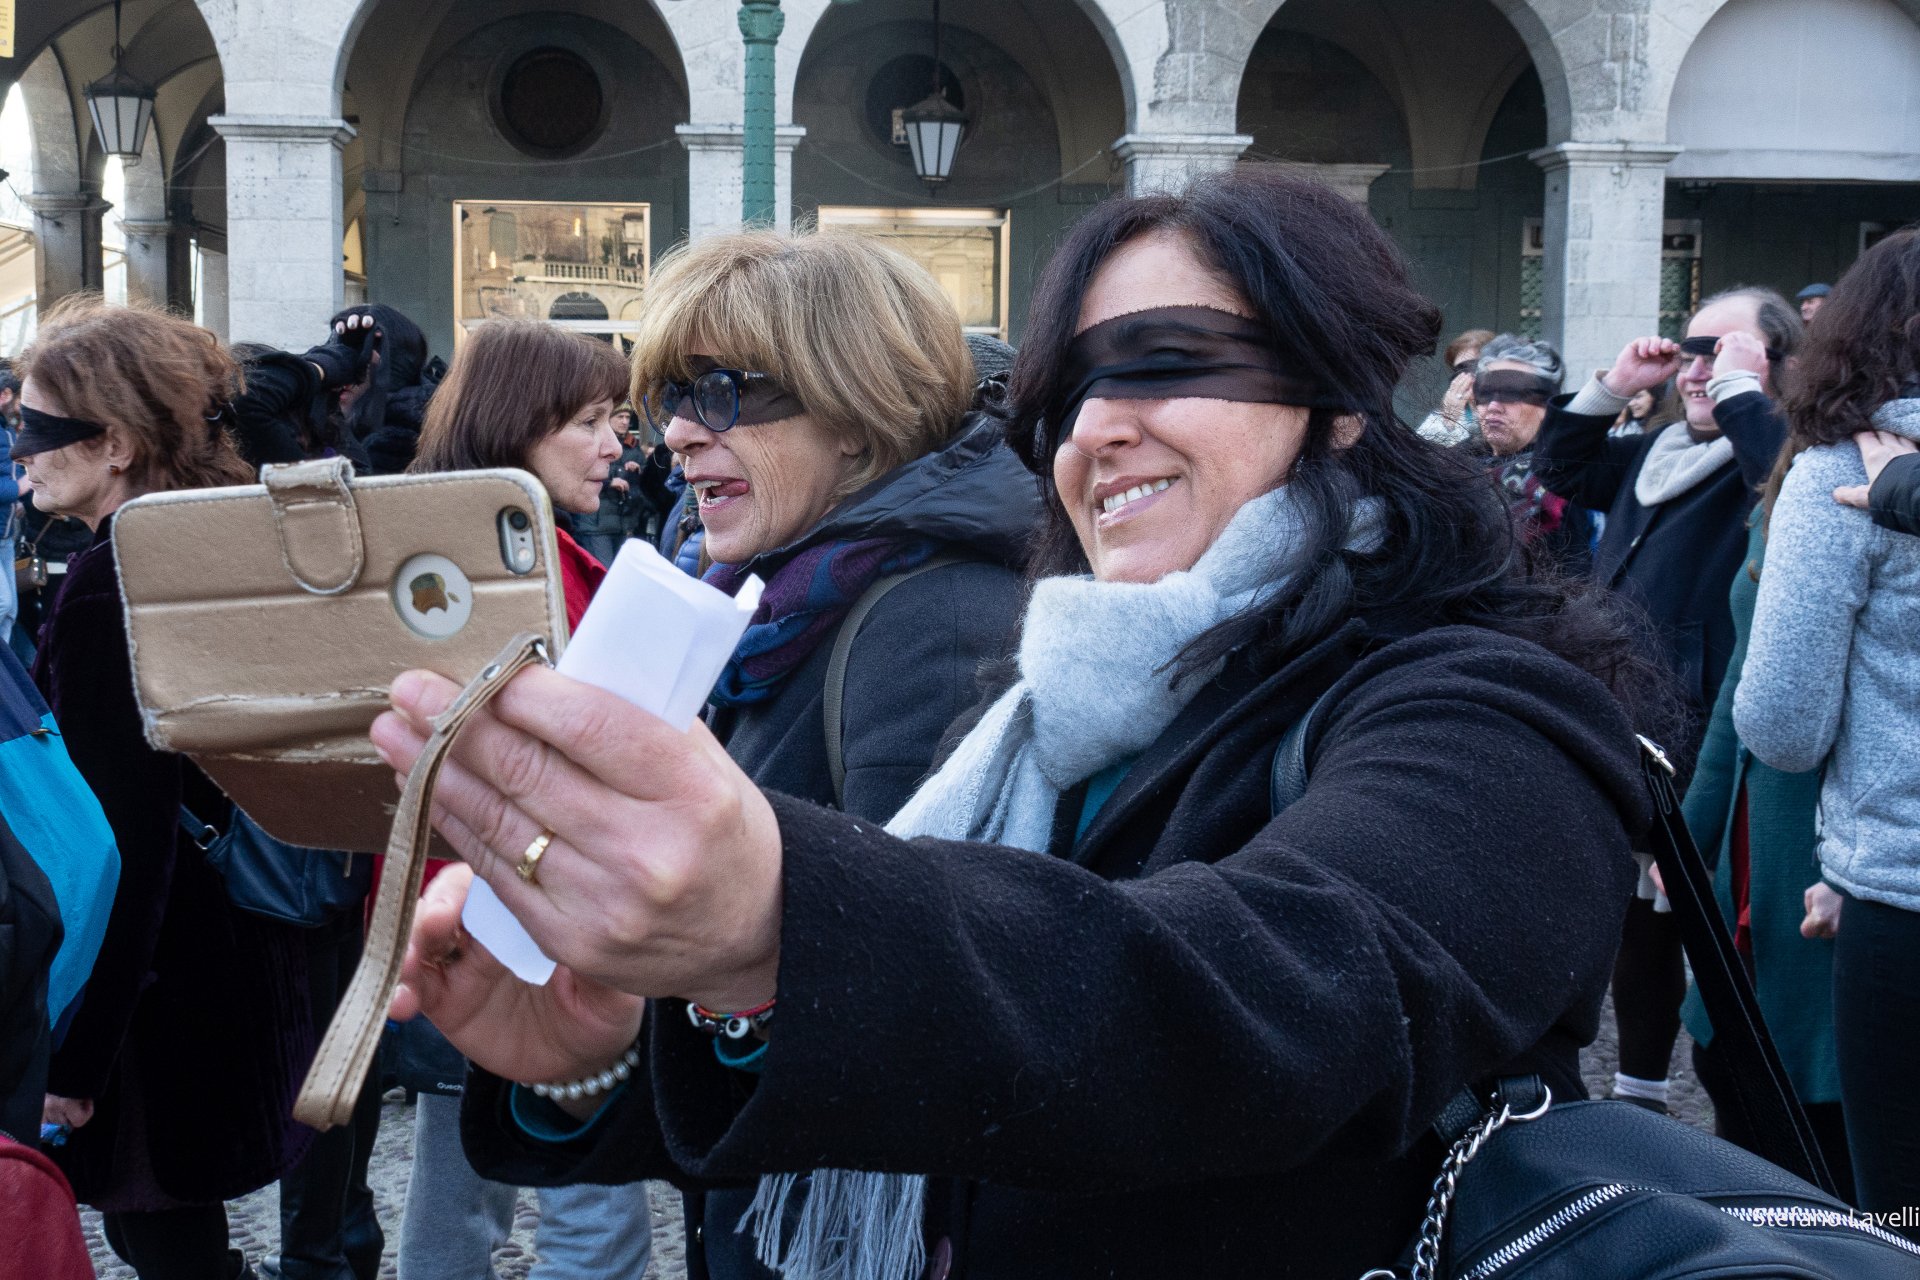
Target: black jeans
{"type": "Point", "coordinates": [1876, 1032]}
{"type": "Point", "coordinates": [173, 1244]}
{"type": "Point", "coordinates": [1649, 983]}
{"type": "Point", "coordinates": [327, 1226]}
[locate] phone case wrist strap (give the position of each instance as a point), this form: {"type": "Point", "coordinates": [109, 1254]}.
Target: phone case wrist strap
{"type": "Point", "coordinates": [347, 1051]}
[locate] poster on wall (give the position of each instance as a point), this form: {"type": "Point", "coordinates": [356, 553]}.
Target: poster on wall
{"type": "Point", "coordinates": [581, 266]}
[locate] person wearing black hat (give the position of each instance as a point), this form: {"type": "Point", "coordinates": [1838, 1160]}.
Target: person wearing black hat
{"type": "Point", "coordinates": [1811, 299]}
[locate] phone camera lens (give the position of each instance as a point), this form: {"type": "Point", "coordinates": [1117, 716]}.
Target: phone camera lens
{"type": "Point", "coordinates": [518, 520]}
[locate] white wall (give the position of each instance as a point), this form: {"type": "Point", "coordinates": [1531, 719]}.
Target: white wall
{"type": "Point", "coordinates": [1800, 89]}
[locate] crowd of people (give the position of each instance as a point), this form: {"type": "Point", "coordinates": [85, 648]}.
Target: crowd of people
{"type": "Point", "coordinates": [970, 932]}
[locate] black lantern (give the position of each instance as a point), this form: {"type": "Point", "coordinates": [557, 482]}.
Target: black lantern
{"type": "Point", "coordinates": [934, 126]}
{"type": "Point", "coordinates": [121, 106]}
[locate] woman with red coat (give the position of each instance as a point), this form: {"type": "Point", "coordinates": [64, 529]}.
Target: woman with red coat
{"type": "Point", "coordinates": [522, 393]}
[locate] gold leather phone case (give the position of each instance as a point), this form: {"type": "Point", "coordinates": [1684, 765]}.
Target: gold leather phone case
{"type": "Point", "coordinates": [267, 623]}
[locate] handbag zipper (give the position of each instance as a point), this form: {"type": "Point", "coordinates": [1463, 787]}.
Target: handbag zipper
{"type": "Point", "coordinates": [1564, 1217]}
{"type": "Point", "coordinates": [1775, 1216]}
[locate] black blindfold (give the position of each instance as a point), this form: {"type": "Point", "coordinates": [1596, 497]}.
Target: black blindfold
{"type": "Point", "coordinates": [43, 432]}
{"type": "Point", "coordinates": [1510, 386]}
{"type": "Point", "coordinates": [1169, 353]}
{"type": "Point", "coordinates": [1703, 347]}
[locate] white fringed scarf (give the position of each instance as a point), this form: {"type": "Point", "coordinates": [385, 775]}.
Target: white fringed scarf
{"type": "Point", "coordinates": [1096, 687]}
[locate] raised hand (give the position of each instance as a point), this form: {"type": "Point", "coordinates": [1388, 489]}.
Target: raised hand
{"type": "Point", "coordinates": [1740, 351]}
{"type": "Point", "coordinates": [1642, 365]}
{"type": "Point", "coordinates": [1877, 449]}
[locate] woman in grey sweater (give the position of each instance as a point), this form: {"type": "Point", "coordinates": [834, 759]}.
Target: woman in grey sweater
{"type": "Point", "coordinates": [1832, 682]}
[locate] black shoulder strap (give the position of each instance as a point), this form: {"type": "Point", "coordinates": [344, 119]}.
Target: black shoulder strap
{"type": "Point", "coordinates": [1288, 781]}
{"type": "Point", "coordinates": [833, 694]}
{"type": "Point", "coordinates": [1763, 1090]}
{"type": "Point", "coordinates": [1740, 1037]}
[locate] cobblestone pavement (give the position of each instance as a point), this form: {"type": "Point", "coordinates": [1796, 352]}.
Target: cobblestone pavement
{"type": "Point", "coordinates": [255, 1219]}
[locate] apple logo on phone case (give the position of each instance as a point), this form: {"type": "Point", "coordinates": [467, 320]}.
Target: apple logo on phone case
{"type": "Point", "coordinates": [432, 596]}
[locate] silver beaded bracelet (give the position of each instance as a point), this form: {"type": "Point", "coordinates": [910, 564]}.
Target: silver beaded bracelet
{"type": "Point", "coordinates": [594, 1085]}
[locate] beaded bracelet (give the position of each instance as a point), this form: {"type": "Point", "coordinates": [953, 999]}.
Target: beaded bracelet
{"type": "Point", "coordinates": [734, 1026]}
{"type": "Point", "coordinates": [594, 1085]}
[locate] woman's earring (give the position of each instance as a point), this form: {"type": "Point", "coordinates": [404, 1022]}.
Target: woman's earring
{"type": "Point", "coordinates": [113, 468]}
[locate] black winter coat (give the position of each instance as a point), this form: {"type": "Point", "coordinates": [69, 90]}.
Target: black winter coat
{"type": "Point", "coordinates": [195, 1028]}
{"type": "Point", "coordinates": [282, 416]}
{"type": "Point", "coordinates": [912, 670]}
{"type": "Point", "coordinates": [1203, 1040]}
{"type": "Point", "coordinates": [1895, 496]}
{"type": "Point", "coordinates": [1677, 559]}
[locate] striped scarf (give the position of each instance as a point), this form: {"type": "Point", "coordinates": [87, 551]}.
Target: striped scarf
{"type": "Point", "coordinates": [802, 606]}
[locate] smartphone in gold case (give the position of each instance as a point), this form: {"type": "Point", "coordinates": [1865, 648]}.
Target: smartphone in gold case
{"type": "Point", "coordinates": [267, 622]}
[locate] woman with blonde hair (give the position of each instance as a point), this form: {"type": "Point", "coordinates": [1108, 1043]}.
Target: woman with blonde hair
{"type": "Point", "coordinates": [820, 390]}
{"type": "Point", "coordinates": [177, 1075]}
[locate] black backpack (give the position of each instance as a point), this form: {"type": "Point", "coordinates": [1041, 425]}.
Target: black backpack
{"type": "Point", "coordinates": [1610, 1191]}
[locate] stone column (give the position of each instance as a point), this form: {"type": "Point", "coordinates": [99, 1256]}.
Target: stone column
{"type": "Point", "coordinates": [1168, 161]}
{"type": "Point", "coordinates": [149, 261]}
{"type": "Point", "coordinates": [283, 225]}
{"type": "Point", "coordinates": [715, 166]}
{"type": "Point", "coordinates": [1605, 207]}
{"type": "Point", "coordinates": [66, 245]}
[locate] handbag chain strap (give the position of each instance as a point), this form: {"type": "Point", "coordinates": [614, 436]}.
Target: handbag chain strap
{"type": "Point", "coordinates": [1446, 1185]}
{"type": "Point", "coordinates": [346, 1053]}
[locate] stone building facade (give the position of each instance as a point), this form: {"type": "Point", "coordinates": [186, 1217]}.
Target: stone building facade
{"type": "Point", "coordinates": [1583, 169]}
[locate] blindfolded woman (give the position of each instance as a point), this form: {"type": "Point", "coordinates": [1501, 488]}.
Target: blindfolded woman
{"type": "Point", "coordinates": [1095, 1002]}
{"type": "Point", "coordinates": [178, 1072]}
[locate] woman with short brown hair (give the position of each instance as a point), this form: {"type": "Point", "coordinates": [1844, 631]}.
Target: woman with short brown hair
{"type": "Point", "coordinates": [526, 394]}
{"type": "Point", "coordinates": [176, 1076]}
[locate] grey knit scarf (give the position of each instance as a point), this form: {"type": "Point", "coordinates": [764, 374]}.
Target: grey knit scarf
{"type": "Point", "coordinates": [1096, 686]}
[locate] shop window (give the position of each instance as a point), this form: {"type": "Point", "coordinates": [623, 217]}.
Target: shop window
{"type": "Point", "coordinates": [583, 266]}
{"type": "Point", "coordinates": [964, 249]}
{"type": "Point", "coordinates": [1679, 276]}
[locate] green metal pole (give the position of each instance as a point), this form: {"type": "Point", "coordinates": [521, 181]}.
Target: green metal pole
{"type": "Point", "coordinates": [760, 25]}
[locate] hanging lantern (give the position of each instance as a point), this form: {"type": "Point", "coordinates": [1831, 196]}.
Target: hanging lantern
{"type": "Point", "coordinates": [121, 106]}
{"type": "Point", "coordinates": [934, 126]}
{"type": "Point", "coordinates": [934, 130]}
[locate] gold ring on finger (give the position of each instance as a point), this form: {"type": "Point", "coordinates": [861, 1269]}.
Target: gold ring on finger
{"type": "Point", "coordinates": [529, 868]}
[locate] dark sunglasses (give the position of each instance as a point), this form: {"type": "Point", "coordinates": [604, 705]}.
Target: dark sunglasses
{"type": "Point", "coordinates": [1466, 366]}
{"type": "Point", "coordinates": [1703, 348]}
{"type": "Point", "coordinates": [712, 399]}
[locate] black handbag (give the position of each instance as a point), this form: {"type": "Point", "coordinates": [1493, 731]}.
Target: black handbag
{"type": "Point", "coordinates": [277, 880]}
{"type": "Point", "coordinates": [1611, 1191]}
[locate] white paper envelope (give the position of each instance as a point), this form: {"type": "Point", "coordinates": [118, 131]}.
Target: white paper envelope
{"type": "Point", "coordinates": [659, 639]}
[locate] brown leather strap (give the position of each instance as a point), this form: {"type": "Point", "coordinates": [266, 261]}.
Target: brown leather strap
{"type": "Point", "coordinates": [346, 1054]}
